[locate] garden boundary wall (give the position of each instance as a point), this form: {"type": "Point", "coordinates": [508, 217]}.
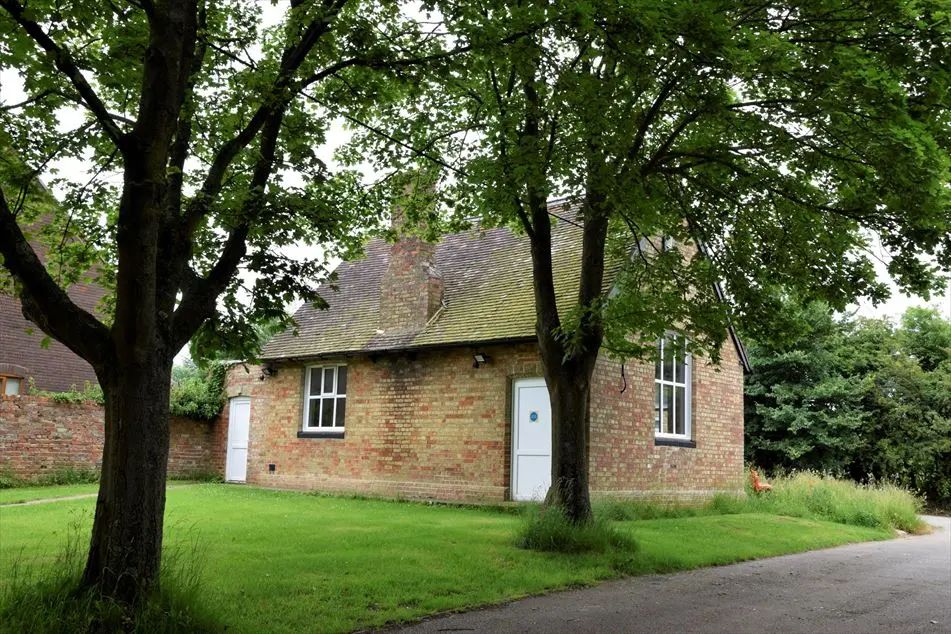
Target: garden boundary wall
{"type": "Point", "coordinates": [40, 436]}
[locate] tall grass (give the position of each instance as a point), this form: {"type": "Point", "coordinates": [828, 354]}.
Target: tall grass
{"type": "Point", "coordinates": [823, 497]}
{"type": "Point", "coordinates": [548, 530]}
{"type": "Point", "coordinates": [48, 598]}
{"type": "Point", "coordinates": [805, 495]}
{"type": "Point", "coordinates": [69, 475]}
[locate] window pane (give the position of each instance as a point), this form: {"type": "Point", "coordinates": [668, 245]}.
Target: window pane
{"type": "Point", "coordinates": [328, 380]}
{"type": "Point", "coordinates": [669, 351]}
{"type": "Point", "coordinates": [314, 381]}
{"type": "Point", "coordinates": [657, 391]}
{"type": "Point", "coordinates": [313, 411]}
{"type": "Point", "coordinates": [660, 356]}
{"type": "Point", "coordinates": [680, 409]}
{"type": "Point", "coordinates": [12, 387]}
{"type": "Point", "coordinates": [682, 361]}
{"type": "Point", "coordinates": [327, 412]}
{"type": "Point", "coordinates": [342, 380]}
{"type": "Point", "coordinates": [668, 411]}
{"type": "Point", "coordinates": [341, 411]}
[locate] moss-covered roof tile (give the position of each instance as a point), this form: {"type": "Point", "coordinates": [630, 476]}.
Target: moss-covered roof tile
{"type": "Point", "coordinates": [488, 292]}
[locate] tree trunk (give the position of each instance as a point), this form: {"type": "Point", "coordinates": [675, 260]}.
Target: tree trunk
{"type": "Point", "coordinates": [570, 399]}
{"type": "Point", "coordinates": [126, 546]}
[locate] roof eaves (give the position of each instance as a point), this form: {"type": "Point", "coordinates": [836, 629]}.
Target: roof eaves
{"type": "Point", "coordinates": [403, 349]}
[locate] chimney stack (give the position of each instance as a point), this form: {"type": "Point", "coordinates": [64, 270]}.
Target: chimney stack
{"type": "Point", "coordinates": [412, 288]}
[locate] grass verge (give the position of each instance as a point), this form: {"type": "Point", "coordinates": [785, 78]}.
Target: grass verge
{"type": "Point", "coordinates": [285, 562]}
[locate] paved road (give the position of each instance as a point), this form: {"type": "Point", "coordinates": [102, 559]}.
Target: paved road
{"type": "Point", "coordinates": [903, 585]}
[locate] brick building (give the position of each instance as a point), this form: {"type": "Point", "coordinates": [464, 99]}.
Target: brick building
{"type": "Point", "coordinates": [423, 379]}
{"type": "Point", "coordinates": [54, 368]}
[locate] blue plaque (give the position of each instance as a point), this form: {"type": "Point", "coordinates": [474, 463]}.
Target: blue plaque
{"type": "Point", "coordinates": [533, 417]}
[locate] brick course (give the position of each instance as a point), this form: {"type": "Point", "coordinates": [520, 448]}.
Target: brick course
{"type": "Point", "coordinates": [39, 436]}
{"type": "Point", "coordinates": [427, 424]}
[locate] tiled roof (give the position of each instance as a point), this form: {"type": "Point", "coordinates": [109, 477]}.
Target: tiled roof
{"type": "Point", "coordinates": [488, 296]}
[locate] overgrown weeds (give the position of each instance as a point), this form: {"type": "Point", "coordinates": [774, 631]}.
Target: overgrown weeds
{"type": "Point", "coordinates": [806, 495]}
{"type": "Point", "coordinates": [49, 599]}
{"type": "Point", "coordinates": [69, 475]}
{"type": "Point", "coordinates": [815, 496]}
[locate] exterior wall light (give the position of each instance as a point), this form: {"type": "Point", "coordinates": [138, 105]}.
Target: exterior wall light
{"type": "Point", "coordinates": [479, 358]}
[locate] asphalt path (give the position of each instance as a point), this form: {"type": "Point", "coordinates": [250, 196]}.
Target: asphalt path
{"type": "Point", "coordinates": [897, 586]}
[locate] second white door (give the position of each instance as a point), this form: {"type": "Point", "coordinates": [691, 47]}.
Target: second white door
{"type": "Point", "coordinates": [531, 439]}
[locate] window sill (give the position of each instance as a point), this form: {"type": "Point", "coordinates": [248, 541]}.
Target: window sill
{"type": "Point", "coordinates": [660, 441]}
{"type": "Point", "coordinates": [320, 434]}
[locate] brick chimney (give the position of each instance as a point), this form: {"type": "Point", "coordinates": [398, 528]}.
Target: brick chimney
{"type": "Point", "coordinates": [411, 290]}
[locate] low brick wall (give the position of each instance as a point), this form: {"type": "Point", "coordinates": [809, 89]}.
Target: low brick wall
{"type": "Point", "coordinates": [40, 436]}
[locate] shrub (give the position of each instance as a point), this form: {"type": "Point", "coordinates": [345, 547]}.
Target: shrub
{"type": "Point", "coordinates": [198, 393]}
{"type": "Point", "coordinates": [647, 509]}
{"type": "Point", "coordinates": [9, 480]}
{"type": "Point", "coordinates": [90, 392]}
{"type": "Point", "coordinates": [548, 530]}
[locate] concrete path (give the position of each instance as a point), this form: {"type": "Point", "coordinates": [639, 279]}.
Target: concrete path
{"type": "Point", "coordinates": [898, 586]}
{"type": "Point", "coordinates": [79, 496]}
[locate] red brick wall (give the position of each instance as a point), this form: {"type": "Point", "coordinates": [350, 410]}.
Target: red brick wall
{"type": "Point", "coordinates": [39, 436]}
{"type": "Point", "coordinates": [430, 425]}
{"type": "Point", "coordinates": [624, 457]}
{"type": "Point", "coordinates": [427, 425]}
{"type": "Point", "coordinates": [412, 288]}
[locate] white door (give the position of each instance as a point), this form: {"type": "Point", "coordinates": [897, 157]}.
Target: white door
{"type": "Point", "coordinates": [239, 424]}
{"type": "Point", "coordinates": [531, 440]}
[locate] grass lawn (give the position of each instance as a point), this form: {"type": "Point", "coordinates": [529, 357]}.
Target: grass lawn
{"type": "Point", "coordinates": [287, 562]}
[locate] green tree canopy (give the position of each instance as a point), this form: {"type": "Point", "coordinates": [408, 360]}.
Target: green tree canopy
{"type": "Point", "coordinates": [194, 157]}
{"type": "Point", "coordinates": [767, 140]}
{"type": "Point", "coordinates": [854, 397]}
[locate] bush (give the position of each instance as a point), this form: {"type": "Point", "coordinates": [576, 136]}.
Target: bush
{"type": "Point", "coordinates": [647, 509]}
{"type": "Point", "coordinates": [198, 393]}
{"type": "Point", "coordinates": [548, 530]}
{"type": "Point", "coordinates": [9, 480]}
{"type": "Point", "coordinates": [90, 392]}
{"type": "Point", "coordinates": [66, 476]}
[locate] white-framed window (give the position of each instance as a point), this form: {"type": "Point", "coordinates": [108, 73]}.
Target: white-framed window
{"type": "Point", "coordinates": [325, 398]}
{"type": "Point", "coordinates": [10, 385]}
{"type": "Point", "coordinates": [672, 383]}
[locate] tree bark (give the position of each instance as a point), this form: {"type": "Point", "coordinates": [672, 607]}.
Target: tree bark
{"type": "Point", "coordinates": [570, 412]}
{"type": "Point", "coordinates": [126, 545]}
{"type": "Point", "coordinates": [568, 372]}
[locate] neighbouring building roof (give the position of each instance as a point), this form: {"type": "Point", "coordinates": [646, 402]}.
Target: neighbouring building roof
{"type": "Point", "coordinates": [54, 368]}
{"type": "Point", "coordinates": [488, 296]}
